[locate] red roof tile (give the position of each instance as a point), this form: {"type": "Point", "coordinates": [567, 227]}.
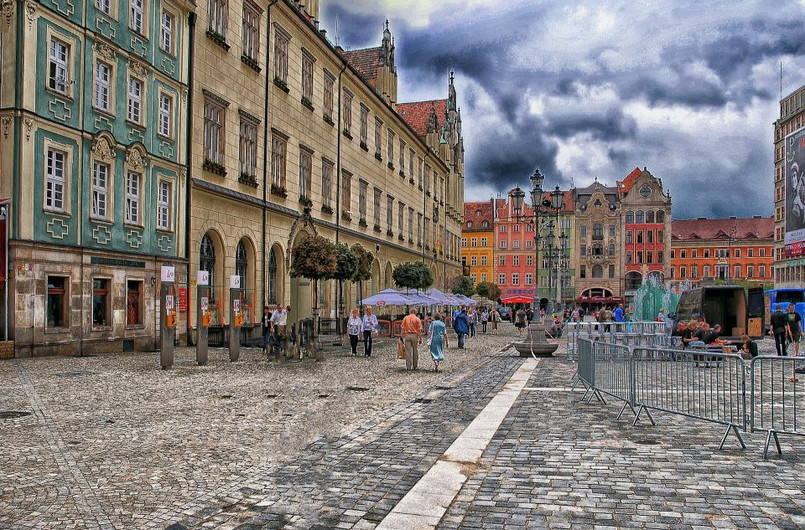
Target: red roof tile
{"type": "Point", "coordinates": [626, 184]}
{"type": "Point", "coordinates": [366, 61]}
{"type": "Point", "coordinates": [477, 213]}
{"type": "Point", "coordinates": [417, 114]}
{"type": "Point", "coordinates": [747, 228]}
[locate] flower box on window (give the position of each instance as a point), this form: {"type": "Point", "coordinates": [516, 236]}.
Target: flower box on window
{"type": "Point", "coordinates": [347, 133]}
{"type": "Point", "coordinates": [410, 240]}
{"type": "Point", "coordinates": [362, 222]}
{"type": "Point", "coordinates": [327, 209]}
{"type": "Point", "coordinates": [346, 216]}
{"type": "Point", "coordinates": [378, 229]}
{"type": "Point", "coordinates": [251, 62]}
{"type": "Point", "coordinates": [328, 119]}
{"type": "Point", "coordinates": [378, 156]}
{"type": "Point", "coordinates": [282, 84]}
{"type": "Point", "coordinates": [389, 233]}
{"type": "Point", "coordinates": [411, 181]}
{"type": "Point", "coordinates": [279, 191]}
{"type": "Point", "coordinates": [402, 173]}
{"type": "Point", "coordinates": [364, 146]}
{"type": "Point", "coordinates": [219, 39]}
{"type": "Point", "coordinates": [390, 165]}
{"type": "Point", "coordinates": [307, 103]}
{"type": "Point", "coordinates": [249, 180]}
{"type": "Point", "coordinates": [401, 237]}
{"type": "Point", "coordinates": [214, 167]}
{"type": "Point", "coordinates": [427, 193]}
{"type": "Point", "coordinates": [305, 201]}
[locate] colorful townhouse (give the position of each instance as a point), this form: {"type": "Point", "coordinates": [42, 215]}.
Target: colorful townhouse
{"type": "Point", "coordinates": [478, 241]}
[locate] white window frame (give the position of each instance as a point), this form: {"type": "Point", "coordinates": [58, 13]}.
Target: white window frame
{"type": "Point", "coordinates": [251, 30]}
{"type": "Point", "coordinates": [279, 148]}
{"type": "Point", "coordinates": [327, 183]}
{"type": "Point", "coordinates": [281, 44]}
{"type": "Point", "coordinates": [218, 13]}
{"type": "Point", "coordinates": [136, 96]}
{"type": "Point", "coordinates": [137, 16]}
{"type": "Point", "coordinates": [104, 6]}
{"type": "Point", "coordinates": [56, 172]}
{"type": "Point", "coordinates": [214, 130]}
{"type": "Point", "coordinates": [102, 99]}
{"type": "Point", "coordinates": [101, 173]}
{"type": "Point", "coordinates": [305, 172]}
{"type": "Point", "coordinates": [59, 66]}
{"type": "Point", "coordinates": [165, 121]}
{"type": "Point", "coordinates": [164, 200]}
{"type": "Point", "coordinates": [307, 74]}
{"type": "Point", "coordinates": [248, 147]}
{"type": "Point", "coordinates": [167, 26]}
{"type": "Point", "coordinates": [134, 187]}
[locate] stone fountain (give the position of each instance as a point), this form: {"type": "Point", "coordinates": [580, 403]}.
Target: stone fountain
{"type": "Point", "coordinates": [535, 342]}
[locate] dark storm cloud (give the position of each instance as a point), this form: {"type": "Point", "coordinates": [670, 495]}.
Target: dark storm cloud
{"type": "Point", "coordinates": [354, 30]}
{"type": "Point", "coordinates": [690, 65]}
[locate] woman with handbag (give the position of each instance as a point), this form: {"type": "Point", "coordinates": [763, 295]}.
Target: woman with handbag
{"type": "Point", "coordinates": [437, 340]}
{"type": "Point", "coordinates": [369, 329]}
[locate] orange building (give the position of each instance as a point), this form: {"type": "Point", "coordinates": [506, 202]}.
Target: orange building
{"type": "Point", "coordinates": [478, 241]}
{"type": "Point", "coordinates": [722, 249]}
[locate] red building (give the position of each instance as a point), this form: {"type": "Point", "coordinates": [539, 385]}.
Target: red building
{"type": "Point", "coordinates": [722, 249]}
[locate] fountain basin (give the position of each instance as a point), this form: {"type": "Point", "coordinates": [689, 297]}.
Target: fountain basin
{"type": "Point", "coordinates": [536, 342]}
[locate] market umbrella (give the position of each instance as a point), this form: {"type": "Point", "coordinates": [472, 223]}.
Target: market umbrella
{"type": "Point", "coordinates": [443, 298]}
{"type": "Point", "coordinates": [388, 297]}
{"type": "Point", "coordinates": [418, 298]}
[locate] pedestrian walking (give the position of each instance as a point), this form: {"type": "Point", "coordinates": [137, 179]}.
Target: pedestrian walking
{"type": "Point", "coordinates": [369, 329]}
{"type": "Point", "coordinates": [461, 326]}
{"type": "Point", "coordinates": [495, 318]}
{"type": "Point", "coordinates": [472, 316]}
{"type": "Point", "coordinates": [354, 328]}
{"type": "Point", "coordinates": [266, 324]}
{"type": "Point", "coordinates": [412, 336]}
{"type": "Point", "coordinates": [778, 322]}
{"type": "Point", "coordinates": [520, 321]}
{"type": "Point", "coordinates": [484, 320]}
{"type": "Point", "coordinates": [438, 340]}
{"type": "Point", "coordinates": [794, 327]}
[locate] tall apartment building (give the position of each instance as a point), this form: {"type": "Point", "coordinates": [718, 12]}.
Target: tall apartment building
{"type": "Point", "coordinates": [646, 231]}
{"type": "Point", "coordinates": [93, 159]}
{"type": "Point", "coordinates": [293, 136]}
{"type": "Point", "coordinates": [478, 241]}
{"type": "Point", "coordinates": [789, 191]}
{"type": "Point", "coordinates": [705, 250]}
{"type": "Point", "coordinates": [599, 225]}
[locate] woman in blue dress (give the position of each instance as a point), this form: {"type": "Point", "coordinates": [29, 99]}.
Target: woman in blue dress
{"type": "Point", "coordinates": [438, 340]}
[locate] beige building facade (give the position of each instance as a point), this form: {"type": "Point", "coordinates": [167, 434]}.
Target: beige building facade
{"type": "Point", "coordinates": [294, 136]}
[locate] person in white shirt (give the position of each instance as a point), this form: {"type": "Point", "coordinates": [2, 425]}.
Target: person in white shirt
{"type": "Point", "coordinates": [369, 329]}
{"type": "Point", "coordinates": [354, 327]}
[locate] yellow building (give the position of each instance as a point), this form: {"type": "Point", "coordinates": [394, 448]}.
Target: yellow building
{"type": "Point", "coordinates": [478, 241]}
{"type": "Point", "coordinates": [293, 136]}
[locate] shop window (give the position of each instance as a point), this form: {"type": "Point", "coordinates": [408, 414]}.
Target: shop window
{"type": "Point", "coordinates": [57, 301]}
{"type": "Point", "coordinates": [100, 302]}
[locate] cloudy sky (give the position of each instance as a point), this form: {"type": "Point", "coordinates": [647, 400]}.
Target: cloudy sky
{"type": "Point", "coordinates": [589, 90]}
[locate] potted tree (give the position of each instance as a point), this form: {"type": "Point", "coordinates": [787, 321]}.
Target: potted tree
{"type": "Point", "coordinates": [314, 258]}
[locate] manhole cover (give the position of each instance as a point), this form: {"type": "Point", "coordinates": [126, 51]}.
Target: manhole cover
{"type": "Point", "coordinates": [647, 442]}
{"type": "Point", "coordinates": [75, 374]}
{"type": "Point", "coordinates": [357, 388]}
{"type": "Point", "coordinates": [444, 388]}
{"type": "Point", "coordinates": [322, 396]}
{"type": "Point", "coordinates": [11, 414]}
{"type": "Point", "coordinates": [226, 396]}
{"type": "Point", "coordinates": [422, 400]}
{"type": "Point", "coordinates": [271, 395]}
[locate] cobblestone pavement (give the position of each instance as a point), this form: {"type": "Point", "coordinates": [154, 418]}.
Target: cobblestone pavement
{"type": "Point", "coordinates": [113, 442]}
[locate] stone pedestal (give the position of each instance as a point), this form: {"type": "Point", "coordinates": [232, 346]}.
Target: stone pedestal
{"type": "Point", "coordinates": [535, 342]}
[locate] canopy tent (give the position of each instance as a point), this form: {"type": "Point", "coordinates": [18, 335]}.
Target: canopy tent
{"type": "Point", "coordinates": [418, 298]}
{"type": "Point", "coordinates": [465, 300]}
{"type": "Point", "coordinates": [442, 298]}
{"type": "Point", "coordinates": [516, 300]}
{"type": "Point", "coordinates": [388, 297]}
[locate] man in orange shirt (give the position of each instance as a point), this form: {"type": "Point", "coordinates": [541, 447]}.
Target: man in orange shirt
{"type": "Point", "coordinates": [412, 335]}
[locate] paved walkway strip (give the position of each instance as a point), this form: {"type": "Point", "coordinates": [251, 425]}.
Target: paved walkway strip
{"type": "Point", "coordinates": [426, 503]}
{"type": "Point", "coordinates": [77, 484]}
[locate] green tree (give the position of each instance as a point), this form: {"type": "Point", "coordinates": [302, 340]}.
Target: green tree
{"type": "Point", "coordinates": [488, 290]}
{"type": "Point", "coordinates": [313, 257]}
{"type": "Point", "coordinates": [412, 276]}
{"type": "Point", "coordinates": [346, 263]}
{"type": "Point", "coordinates": [365, 259]}
{"type": "Point", "coordinates": [462, 285]}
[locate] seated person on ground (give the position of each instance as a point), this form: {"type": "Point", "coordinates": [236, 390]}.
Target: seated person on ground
{"type": "Point", "coordinates": [748, 347]}
{"type": "Point", "coordinates": [711, 336]}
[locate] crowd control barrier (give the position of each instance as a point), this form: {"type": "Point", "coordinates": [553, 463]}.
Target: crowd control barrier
{"type": "Point", "coordinates": [718, 387]}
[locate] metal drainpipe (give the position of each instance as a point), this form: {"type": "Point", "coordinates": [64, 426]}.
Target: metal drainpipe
{"type": "Point", "coordinates": [340, 300]}
{"type": "Point", "coordinates": [265, 152]}
{"type": "Point", "coordinates": [191, 21]}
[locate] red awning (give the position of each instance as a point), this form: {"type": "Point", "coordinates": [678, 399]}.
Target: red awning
{"type": "Point", "coordinates": [516, 300]}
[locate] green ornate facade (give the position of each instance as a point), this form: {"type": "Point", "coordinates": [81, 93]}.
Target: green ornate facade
{"type": "Point", "coordinates": [93, 100]}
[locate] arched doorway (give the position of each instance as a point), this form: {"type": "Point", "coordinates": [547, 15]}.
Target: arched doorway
{"type": "Point", "coordinates": [376, 279]}
{"type": "Point", "coordinates": [211, 258]}
{"type": "Point", "coordinates": [633, 281]}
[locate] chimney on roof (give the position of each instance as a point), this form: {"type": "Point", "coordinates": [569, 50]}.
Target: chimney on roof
{"type": "Point", "coordinates": [323, 33]}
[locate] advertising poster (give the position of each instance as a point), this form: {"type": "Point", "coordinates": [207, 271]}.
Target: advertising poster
{"type": "Point", "coordinates": [795, 193]}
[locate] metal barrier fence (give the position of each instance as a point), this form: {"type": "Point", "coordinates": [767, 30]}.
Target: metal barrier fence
{"type": "Point", "coordinates": [652, 334]}
{"type": "Point", "coordinates": [723, 388]}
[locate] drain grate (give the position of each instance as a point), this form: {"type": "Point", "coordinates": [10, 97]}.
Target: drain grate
{"type": "Point", "coordinates": [75, 374]}
{"type": "Point", "coordinates": [357, 388]}
{"type": "Point", "coordinates": [647, 441]}
{"type": "Point", "coordinates": [422, 400]}
{"type": "Point", "coordinates": [443, 387]}
{"type": "Point", "coordinates": [11, 414]}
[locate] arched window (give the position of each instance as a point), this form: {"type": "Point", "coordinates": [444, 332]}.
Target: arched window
{"type": "Point", "coordinates": [241, 263]}
{"type": "Point", "coordinates": [598, 271]}
{"type": "Point", "coordinates": [629, 217]}
{"type": "Point", "coordinates": [660, 216]}
{"type": "Point", "coordinates": [639, 217]}
{"type": "Point", "coordinates": [272, 277]}
{"type": "Point", "coordinates": [207, 261]}
{"type": "Point", "coordinates": [650, 216]}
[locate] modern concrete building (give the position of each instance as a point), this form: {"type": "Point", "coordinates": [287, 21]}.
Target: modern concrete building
{"type": "Point", "coordinates": [789, 191]}
{"type": "Point", "coordinates": [93, 159]}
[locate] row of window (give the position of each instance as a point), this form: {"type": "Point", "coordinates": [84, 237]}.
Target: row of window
{"type": "Point", "coordinates": [720, 253]}
{"type": "Point", "coordinates": [598, 230]}
{"type": "Point", "coordinates": [59, 81]}
{"type": "Point", "coordinates": [649, 257]}
{"type": "Point", "coordinates": [648, 217]}
{"type": "Point", "coordinates": [647, 236]}
{"type": "Point", "coordinates": [528, 279]}
{"type": "Point", "coordinates": [57, 305]}
{"type": "Point", "coordinates": [474, 242]}
{"type": "Point", "coordinates": [138, 21]}
{"type": "Point", "coordinates": [721, 271]}
{"type": "Point", "coordinates": [57, 183]}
